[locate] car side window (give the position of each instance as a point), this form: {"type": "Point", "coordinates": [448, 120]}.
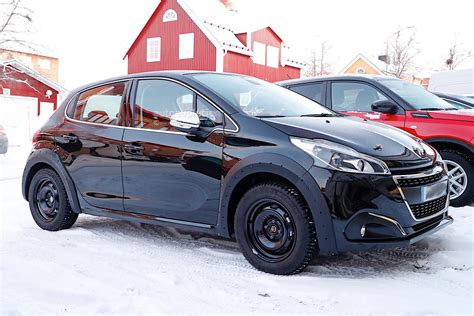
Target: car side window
{"type": "Point", "coordinates": [100, 105]}
{"type": "Point", "coordinates": [354, 97]}
{"type": "Point", "coordinates": [312, 91]}
{"type": "Point", "coordinates": [157, 100]}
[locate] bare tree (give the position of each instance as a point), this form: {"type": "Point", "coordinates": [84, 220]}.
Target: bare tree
{"type": "Point", "coordinates": [318, 63]}
{"type": "Point", "coordinates": [456, 56]}
{"type": "Point", "coordinates": [15, 22]}
{"type": "Point", "coordinates": [402, 50]}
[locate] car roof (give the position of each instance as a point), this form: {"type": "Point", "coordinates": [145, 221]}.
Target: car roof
{"type": "Point", "coordinates": [336, 77]}
{"type": "Point", "coordinates": [173, 74]}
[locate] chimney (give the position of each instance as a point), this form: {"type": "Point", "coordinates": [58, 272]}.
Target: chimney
{"type": "Point", "coordinates": [229, 4]}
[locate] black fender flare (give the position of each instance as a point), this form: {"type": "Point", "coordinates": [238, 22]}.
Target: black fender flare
{"type": "Point", "coordinates": [51, 159]}
{"type": "Point", "coordinates": [295, 174]}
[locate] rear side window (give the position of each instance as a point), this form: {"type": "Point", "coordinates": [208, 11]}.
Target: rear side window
{"type": "Point", "coordinates": [100, 105]}
{"type": "Point", "coordinates": [312, 91]}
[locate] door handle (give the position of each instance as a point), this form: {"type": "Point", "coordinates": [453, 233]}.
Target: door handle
{"type": "Point", "coordinates": [70, 138]}
{"type": "Point", "coordinates": [133, 148]}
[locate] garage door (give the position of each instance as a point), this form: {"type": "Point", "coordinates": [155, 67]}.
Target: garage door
{"type": "Point", "coordinates": [19, 117]}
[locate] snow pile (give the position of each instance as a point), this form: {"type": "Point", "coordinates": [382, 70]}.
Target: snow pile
{"type": "Point", "coordinates": [105, 266]}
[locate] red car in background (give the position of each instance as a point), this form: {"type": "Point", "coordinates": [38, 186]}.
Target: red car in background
{"type": "Point", "coordinates": [406, 106]}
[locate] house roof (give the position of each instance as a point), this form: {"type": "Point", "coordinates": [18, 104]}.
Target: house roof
{"type": "Point", "coordinates": [220, 26]}
{"type": "Point", "coordinates": [30, 72]}
{"type": "Point", "coordinates": [377, 68]}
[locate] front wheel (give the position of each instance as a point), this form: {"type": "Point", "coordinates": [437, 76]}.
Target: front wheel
{"type": "Point", "coordinates": [49, 203]}
{"type": "Point", "coordinates": [461, 177]}
{"type": "Point", "coordinates": [275, 229]}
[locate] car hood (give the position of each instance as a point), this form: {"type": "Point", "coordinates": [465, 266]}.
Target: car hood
{"type": "Point", "coordinates": [395, 147]}
{"type": "Point", "coordinates": [456, 115]}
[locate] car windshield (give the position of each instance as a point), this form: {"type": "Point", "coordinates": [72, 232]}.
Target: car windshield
{"type": "Point", "coordinates": [416, 96]}
{"type": "Point", "coordinates": [259, 98]}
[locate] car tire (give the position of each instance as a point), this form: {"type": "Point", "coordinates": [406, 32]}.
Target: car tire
{"type": "Point", "coordinates": [275, 229]}
{"type": "Point", "coordinates": [454, 159]}
{"type": "Point", "coordinates": [49, 204]}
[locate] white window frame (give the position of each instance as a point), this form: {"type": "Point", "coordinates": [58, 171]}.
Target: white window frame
{"type": "Point", "coordinates": [186, 46]}
{"type": "Point", "coordinates": [153, 43]}
{"type": "Point", "coordinates": [170, 15]}
{"type": "Point", "coordinates": [273, 56]}
{"type": "Point", "coordinates": [259, 53]}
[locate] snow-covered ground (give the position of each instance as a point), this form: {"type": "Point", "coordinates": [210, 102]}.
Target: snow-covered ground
{"type": "Point", "coordinates": [105, 266]}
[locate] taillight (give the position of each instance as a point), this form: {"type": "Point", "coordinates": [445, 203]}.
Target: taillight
{"type": "Point", "coordinates": [35, 137]}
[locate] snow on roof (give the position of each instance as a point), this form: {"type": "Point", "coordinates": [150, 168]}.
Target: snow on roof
{"type": "Point", "coordinates": [30, 72]}
{"type": "Point", "coordinates": [213, 16]}
{"type": "Point", "coordinates": [221, 25]}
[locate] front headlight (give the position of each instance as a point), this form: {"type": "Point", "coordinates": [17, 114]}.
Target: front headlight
{"type": "Point", "coordinates": [331, 155]}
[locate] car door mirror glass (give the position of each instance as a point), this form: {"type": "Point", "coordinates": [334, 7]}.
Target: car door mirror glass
{"type": "Point", "coordinates": [185, 121]}
{"type": "Point", "coordinates": [385, 106]}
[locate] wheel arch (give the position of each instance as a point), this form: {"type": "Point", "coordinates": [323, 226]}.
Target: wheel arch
{"type": "Point", "coordinates": [257, 169]}
{"type": "Point", "coordinates": [45, 158]}
{"type": "Point", "coordinates": [454, 144]}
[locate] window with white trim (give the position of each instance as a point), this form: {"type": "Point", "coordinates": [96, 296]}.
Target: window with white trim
{"type": "Point", "coordinates": [259, 52]}
{"type": "Point", "coordinates": [186, 46]}
{"type": "Point", "coordinates": [273, 54]}
{"type": "Point", "coordinates": [170, 15]}
{"type": "Point", "coordinates": [153, 49]}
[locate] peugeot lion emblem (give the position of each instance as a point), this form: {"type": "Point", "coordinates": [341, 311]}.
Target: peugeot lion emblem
{"type": "Point", "coordinates": [419, 151]}
{"type": "Point", "coordinates": [378, 147]}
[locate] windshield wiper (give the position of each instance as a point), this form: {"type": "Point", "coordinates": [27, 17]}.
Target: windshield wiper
{"type": "Point", "coordinates": [319, 115]}
{"type": "Point", "coordinates": [269, 116]}
{"type": "Point", "coordinates": [437, 109]}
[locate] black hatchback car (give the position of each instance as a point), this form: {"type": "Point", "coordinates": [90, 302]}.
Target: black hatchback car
{"type": "Point", "coordinates": [231, 155]}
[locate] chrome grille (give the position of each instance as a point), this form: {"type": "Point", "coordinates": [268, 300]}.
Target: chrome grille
{"type": "Point", "coordinates": [427, 209]}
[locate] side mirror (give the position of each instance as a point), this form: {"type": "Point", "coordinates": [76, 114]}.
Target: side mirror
{"type": "Point", "coordinates": [385, 106]}
{"type": "Point", "coordinates": [185, 121]}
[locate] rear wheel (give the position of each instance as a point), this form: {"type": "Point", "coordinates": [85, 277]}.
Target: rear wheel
{"type": "Point", "coordinates": [48, 201]}
{"type": "Point", "coordinates": [461, 174]}
{"type": "Point", "coordinates": [275, 230]}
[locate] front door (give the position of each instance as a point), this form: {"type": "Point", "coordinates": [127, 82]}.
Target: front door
{"type": "Point", "coordinates": [356, 99]}
{"type": "Point", "coordinates": [166, 173]}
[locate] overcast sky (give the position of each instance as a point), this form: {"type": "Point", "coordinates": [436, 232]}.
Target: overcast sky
{"type": "Point", "coordinates": [90, 37]}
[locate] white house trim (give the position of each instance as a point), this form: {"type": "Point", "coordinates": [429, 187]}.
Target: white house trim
{"type": "Point", "coordinates": [30, 72]}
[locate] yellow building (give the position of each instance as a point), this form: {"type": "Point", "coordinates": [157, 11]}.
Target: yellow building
{"type": "Point", "coordinates": [361, 65]}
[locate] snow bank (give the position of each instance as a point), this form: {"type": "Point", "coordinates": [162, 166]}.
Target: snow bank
{"type": "Point", "coordinates": [105, 266]}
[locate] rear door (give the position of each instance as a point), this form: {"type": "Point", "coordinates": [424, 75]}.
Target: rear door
{"type": "Point", "coordinates": [356, 99]}
{"type": "Point", "coordinates": [167, 173]}
{"type": "Point", "coordinates": [90, 144]}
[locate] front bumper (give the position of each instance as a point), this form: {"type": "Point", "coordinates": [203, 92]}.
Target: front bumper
{"type": "Point", "coordinates": [376, 212]}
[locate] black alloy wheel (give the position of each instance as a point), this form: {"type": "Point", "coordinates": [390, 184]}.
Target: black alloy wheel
{"type": "Point", "coordinates": [47, 199]}
{"type": "Point", "coordinates": [270, 229]}
{"type": "Point", "coordinates": [275, 229]}
{"type": "Point", "coordinates": [49, 204]}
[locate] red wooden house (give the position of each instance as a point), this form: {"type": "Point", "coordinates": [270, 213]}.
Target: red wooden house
{"type": "Point", "coordinates": [27, 99]}
{"type": "Point", "coordinates": [206, 35]}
